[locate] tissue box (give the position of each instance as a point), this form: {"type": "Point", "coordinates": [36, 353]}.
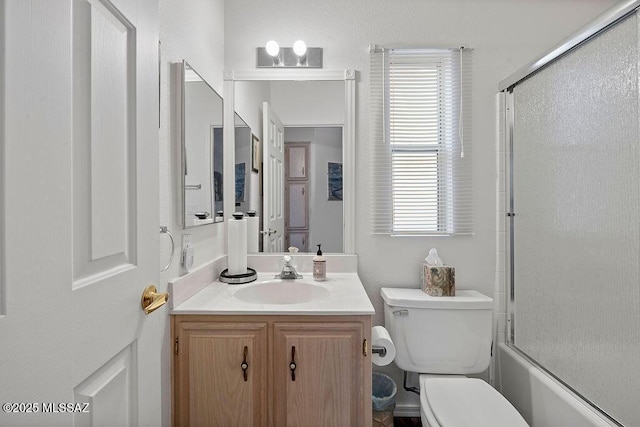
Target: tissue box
{"type": "Point", "coordinates": [438, 281]}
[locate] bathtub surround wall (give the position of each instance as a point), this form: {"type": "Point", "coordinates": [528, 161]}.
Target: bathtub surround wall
{"type": "Point", "coordinates": [505, 34]}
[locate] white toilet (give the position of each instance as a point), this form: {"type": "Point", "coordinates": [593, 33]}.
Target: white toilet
{"type": "Point", "coordinates": [443, 339]}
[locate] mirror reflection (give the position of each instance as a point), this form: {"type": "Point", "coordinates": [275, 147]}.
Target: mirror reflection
{"type": "Point", "coordinates": [202, 146]}
{"type": "Point", "coordinates": [312, 118]}
{"type": "Point", "coordinates": [246, 183]}
{"type": "Point", "coordinates": [313, 188]}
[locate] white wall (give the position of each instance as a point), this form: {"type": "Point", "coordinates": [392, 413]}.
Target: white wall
{"type": "Point", "coordinates": [506, 34]}
{"type": "Point", "coordinates": [249, 97]}
{"type": "Point", "coordinates": [193, 31]}
{"type": "Point", "coordinates": [296, 103]}
{"type": "Point", "coordinates": [308, 103]}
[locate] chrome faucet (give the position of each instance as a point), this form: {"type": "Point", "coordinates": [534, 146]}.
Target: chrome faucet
{"type": "Point", "coordinates": [288, 271]}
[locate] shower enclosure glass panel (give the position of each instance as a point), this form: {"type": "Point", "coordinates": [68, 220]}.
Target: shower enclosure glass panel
{"type": "Point", "coordinates": [576, 234]}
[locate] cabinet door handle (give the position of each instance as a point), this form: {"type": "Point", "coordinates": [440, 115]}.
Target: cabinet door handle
{"type": "Point", "coordinates": [245, 365]}
{"type": "Point", "coordinates": [292, 365]}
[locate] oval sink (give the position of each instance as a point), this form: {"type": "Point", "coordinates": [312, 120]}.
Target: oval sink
{"type": "Point", "coordinates": [281, 292]}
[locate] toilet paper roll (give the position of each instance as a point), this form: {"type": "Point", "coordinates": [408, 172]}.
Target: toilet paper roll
{"type": "Point", "coordinates": [380, 338]}
{"type": "Point", "coordinates": [237, 246]}
{"type": "Point", "coordinates": [253, 231]}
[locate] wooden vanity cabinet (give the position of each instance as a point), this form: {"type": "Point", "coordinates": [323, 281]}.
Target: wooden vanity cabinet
{"type": "Point", "coordinates": [210, 387]}
{"type": "Point", "coordinates": [326, 388]}
{"type": "Point", "coordinates": [303, 371]}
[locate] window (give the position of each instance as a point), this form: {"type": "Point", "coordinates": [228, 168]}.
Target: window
{"type": "Point", "coordinates": [422, 161]}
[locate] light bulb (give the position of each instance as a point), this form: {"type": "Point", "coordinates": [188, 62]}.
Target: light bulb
{"type": "Point", "coordinates": [300, 48]}
{"type": "Point", "coordinates": [272, 48]}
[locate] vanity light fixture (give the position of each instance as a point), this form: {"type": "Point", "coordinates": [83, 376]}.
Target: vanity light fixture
{"type": "Point", "coordinates": [298, 56]}
{"type": "Point", "coordinates": [273, 50]}
{"type": "Point", "coordinates": [300, 49]}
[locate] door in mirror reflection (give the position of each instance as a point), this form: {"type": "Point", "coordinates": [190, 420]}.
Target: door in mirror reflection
{"type": "Point", "coordinates": [273, 162]}
{"type": "Point", "coordinates": [296, 194]}
{"type": "Point", "coordinates": [313, 188]}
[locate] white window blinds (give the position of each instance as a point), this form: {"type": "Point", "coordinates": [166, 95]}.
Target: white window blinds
{"type": "Point", "coordinates": [421, 121]}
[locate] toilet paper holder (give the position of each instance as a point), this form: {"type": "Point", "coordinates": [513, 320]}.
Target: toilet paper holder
{"type": "Point", "coordinates": [382, 351]}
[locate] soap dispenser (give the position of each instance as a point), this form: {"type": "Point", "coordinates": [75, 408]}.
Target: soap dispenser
{"type": "Point", "coordinates": [319, 266]}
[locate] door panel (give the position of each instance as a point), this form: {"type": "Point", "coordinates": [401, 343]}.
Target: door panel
{"type": "Point", "coordinates": [297, 195]}
{"type": "Point", "coordinates": [106, 391]}
{"type": "Point", "coordinates": [297, 156]}
{"type": "Point", "coordinates": [81, 208]}
{"type": "Point", "coordinates": [273, 177]}
{"type": "Point", "coordinates": [298, 204]}
{"type": "Point", "coordinates": [299, 239]}
{"type": "Point", "coordinates": [104, 142]}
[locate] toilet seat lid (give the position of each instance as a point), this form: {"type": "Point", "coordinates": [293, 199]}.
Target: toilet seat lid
{"type": "Point", "coordinates": [468, 402]}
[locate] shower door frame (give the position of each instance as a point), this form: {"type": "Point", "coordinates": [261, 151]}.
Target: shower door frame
{"type": "Point", "coordinates": [506, 86]}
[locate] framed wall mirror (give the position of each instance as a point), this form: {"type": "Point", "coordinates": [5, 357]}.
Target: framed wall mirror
{"type": "Point", "coordinates": [315, 191]}
{"type": "Point", "coordinates": [202, 149]}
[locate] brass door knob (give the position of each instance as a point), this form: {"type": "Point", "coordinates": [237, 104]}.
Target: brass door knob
{"type": "Point", "coordinates": [152, 299]}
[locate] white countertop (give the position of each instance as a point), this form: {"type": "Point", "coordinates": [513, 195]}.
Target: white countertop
{"type": "Point", "coordinates": [346, 297]}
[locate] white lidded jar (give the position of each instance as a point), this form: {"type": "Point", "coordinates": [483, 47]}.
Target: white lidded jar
{"type": "Point", "coordinates": [319, 266]}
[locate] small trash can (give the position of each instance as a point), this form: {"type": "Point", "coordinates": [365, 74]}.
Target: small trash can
{"type": "Point", "coordinates": [384, 399]}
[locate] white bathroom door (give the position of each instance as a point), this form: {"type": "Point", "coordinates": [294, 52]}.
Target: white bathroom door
{"type": "Point", "coordinates": [273, 180]}
{"type": "Point", "coordinates": [79, 213]}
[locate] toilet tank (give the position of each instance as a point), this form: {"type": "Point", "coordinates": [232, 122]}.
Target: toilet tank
{"type": "Point", "coordinates": [439, 335]}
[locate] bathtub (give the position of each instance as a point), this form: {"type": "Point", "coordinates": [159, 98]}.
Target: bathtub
{"type": "Point", "coordinates": [541, 399]}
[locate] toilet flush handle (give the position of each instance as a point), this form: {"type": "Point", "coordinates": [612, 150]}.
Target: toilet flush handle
{"type": "Point", "coordinates": [401, 313]}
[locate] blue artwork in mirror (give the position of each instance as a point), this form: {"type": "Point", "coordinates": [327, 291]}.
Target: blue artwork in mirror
{"type": "Point", "coordinates": [335, 180]}
{"type": "Point", "coordinates": [240, 174]}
